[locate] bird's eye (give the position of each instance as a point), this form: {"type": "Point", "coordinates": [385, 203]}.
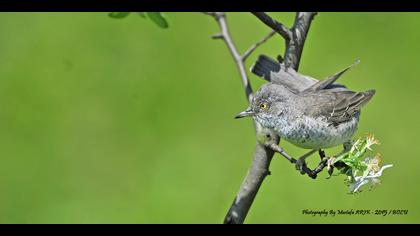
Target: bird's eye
{"type": "Point", "coordinates": [263, 106]}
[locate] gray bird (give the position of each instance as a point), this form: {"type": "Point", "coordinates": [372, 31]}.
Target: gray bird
{"type": "Point", "coordinates": [308, 113]}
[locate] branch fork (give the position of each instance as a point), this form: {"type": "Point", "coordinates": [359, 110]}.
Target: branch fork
{"type": "Point", "coordinates": [264, 150]}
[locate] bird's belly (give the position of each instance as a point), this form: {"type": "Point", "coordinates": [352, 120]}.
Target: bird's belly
{"type": "Point", "coordinates": [313, 134]}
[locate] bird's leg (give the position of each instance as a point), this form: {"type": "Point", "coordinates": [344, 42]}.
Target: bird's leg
{"type": "Point", "coordinates": [313, 173]}
{"type": "Point", "coordinates": [301, 163]}
{"type": "Point", "coordinates": [346, 147]}
{"type": "Point", "coordinates": [323, 163]}
{"type": "Point", "coordinates": [277, 148]}
{"type": "Point", "coordinates": [321, 154]}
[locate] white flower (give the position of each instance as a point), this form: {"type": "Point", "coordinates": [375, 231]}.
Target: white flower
{"type": "Point", "coordinates": [372, 178]}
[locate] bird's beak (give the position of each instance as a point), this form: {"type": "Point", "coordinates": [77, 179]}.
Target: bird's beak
{"type": "Point", "coordinates": [247, 112]}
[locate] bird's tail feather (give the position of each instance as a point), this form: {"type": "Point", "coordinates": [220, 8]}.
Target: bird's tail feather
{"type": "Point", "coordinates": [264, 66]}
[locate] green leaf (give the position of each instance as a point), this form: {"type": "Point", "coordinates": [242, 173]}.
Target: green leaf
{"type": "Point", "coordinates": [158, 19]}
{"type": "Point", "coordinates": [142, 14]}
{"type": "Point", "coordinates": [118, 15]}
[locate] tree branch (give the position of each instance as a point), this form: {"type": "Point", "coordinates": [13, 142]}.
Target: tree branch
{"type": "Point", "coordinates": [225, 35]}
{"type": "Point", "coordinates": [263, 154]}
{"type": "Point", "coordinates": [275, 25]}
{"type": "Point", "coordinates": [295, 37]}
{"type": "Point", "coordinates": [255, 46]}
{"type": "Point", "coordinates": [294, 46]}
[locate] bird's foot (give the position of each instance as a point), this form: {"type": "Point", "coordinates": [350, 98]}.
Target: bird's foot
{"type": "Point", "coordinates": [303, 168]}
{"type": "Point", "coordinates": [301, 165]}
{"type": "Point", "coordinates": [330, 166]}
{"type": "Point", "coordinates": [321, 154]}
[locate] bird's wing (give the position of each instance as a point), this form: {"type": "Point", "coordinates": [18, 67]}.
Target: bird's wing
{"type": "Point", "coordinates": [272, 71]}
{"type": "Point", "coordinates": [322, 84]}
{"type": "Point", "coordinates": [336, 106]}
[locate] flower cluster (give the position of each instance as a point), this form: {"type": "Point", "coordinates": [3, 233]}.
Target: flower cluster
{"type": "Point", "coordinates": [361, 171]}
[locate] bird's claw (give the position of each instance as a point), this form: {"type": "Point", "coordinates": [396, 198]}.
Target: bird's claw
{"type": "Point", "coordinates": [330, 166]}
{"type": "Point", "coordinates": [330, 170]}
{"type": "Point", "coordinates": [301, 166]}
{"type": "Point", "coordinates": [303, 169]}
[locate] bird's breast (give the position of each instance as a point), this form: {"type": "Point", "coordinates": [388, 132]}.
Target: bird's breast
{"type": "Point", "coordinates": [312, 133]}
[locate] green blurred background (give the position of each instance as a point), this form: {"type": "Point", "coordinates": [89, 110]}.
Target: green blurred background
{"type": "Point", "coordinates": [118, 121]}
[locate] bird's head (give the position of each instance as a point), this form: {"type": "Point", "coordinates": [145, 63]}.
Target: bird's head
{"type": "Point", "coordinates": [269, 102]}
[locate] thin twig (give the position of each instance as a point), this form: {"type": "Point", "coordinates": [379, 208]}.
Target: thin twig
{"type": "Point", "coordinates": [225, 35]}
{"type": "Point", "coordinates": [275, 25]}
{"type": "Point", "coordinates": [262, 155]}
{"type": "Point", "coordinates": [295, 37]}
{"type": "Point", "coordinates": [255, 46]}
